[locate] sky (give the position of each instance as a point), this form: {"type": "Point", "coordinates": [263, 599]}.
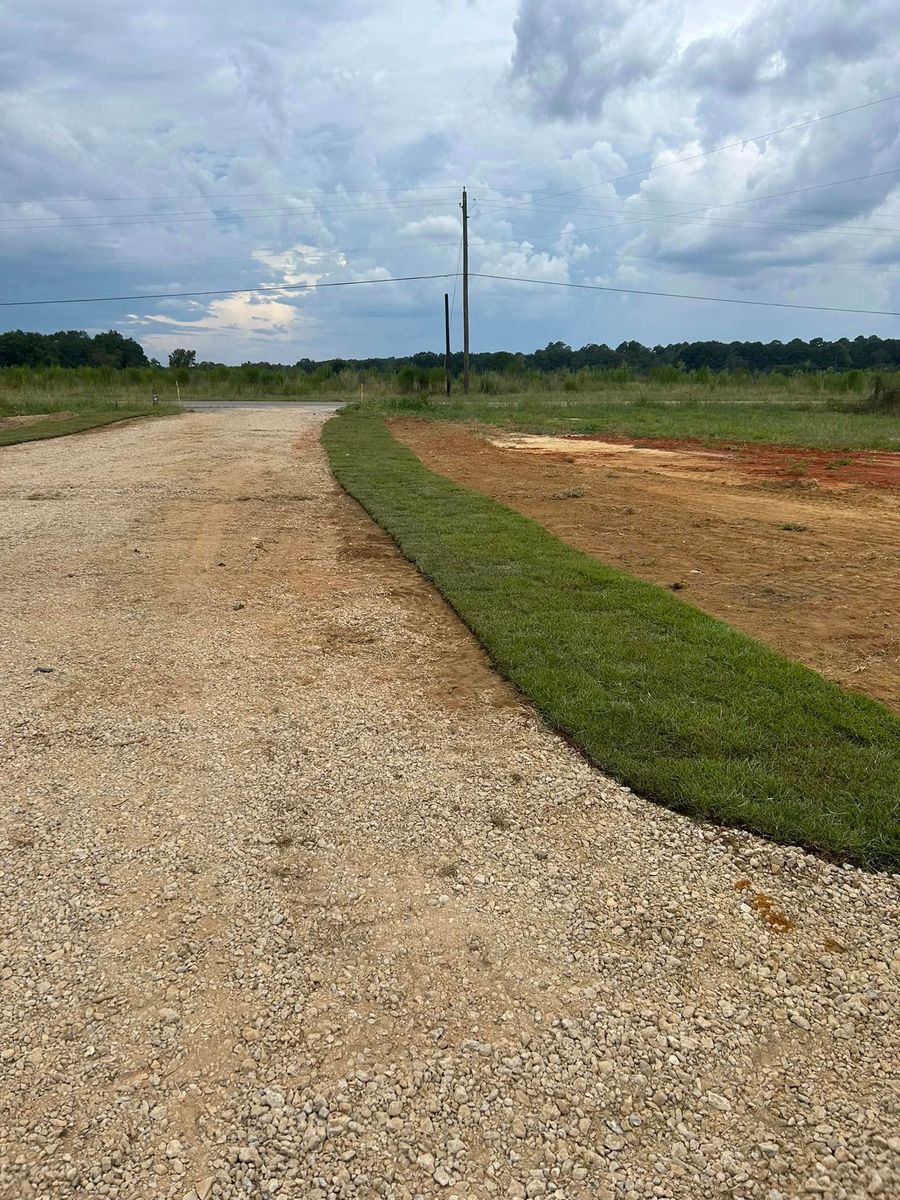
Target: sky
{"type": "Point", "coordinates": [218, 146]}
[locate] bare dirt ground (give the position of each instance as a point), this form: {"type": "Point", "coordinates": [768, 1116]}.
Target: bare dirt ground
{"type": "Point", "coordinates": [806, 562]}
{"type": "Point", "coordinates": [299, 900]}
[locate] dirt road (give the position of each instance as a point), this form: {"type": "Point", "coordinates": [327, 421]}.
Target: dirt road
{"type": "Point", "coordinates": [299, 900]}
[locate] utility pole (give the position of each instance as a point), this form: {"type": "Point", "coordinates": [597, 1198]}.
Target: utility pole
{"type": "Point", "coordinates": [465, 215]}
{"type": "Point", "coordinates": [447, 341]}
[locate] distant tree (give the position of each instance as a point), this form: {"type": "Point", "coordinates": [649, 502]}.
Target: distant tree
{"type": "Point", "coordinates": [73, 348]}
{"type": "Point", "coordinates": [76, 348]}
{"type": "Point", "coordinates": [21, 349]}
{"type": "Point", "coordinates": [112, 350]}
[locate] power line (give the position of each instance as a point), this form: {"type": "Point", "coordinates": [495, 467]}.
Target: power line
{"type": "Point", "coordinates": [595, 287]}
{"type": "Point", "coordinates": [456, 278]}
{"type": "Point", "coordinates": [591, 287]}
{"type": "Point", "coordinates": [878, 231]}
{"type": "Point", "coordinates": [718, 149]}
{"type": "Point", "coordinates": [701, 205]}
{"type": "Point", "coordinates": [868, 268]}
{"type": "Point", "coordinates": [536, 238]}
{"type": "Point", "coordinates": [25, 224]}
{"type": "Point", "coordinates": [813, 187]}
{"type": "Point", "coordinates": [284, 287]}
{"type": "Point", "coordinates": [221, 196]}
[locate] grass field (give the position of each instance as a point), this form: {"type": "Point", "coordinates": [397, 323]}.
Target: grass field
{"type": "Point", "coordinates": [684, 709]}
{"type": "Point", "coordinates": [751, 413]}
{"type": "Point", "coordinates": [60, 426]}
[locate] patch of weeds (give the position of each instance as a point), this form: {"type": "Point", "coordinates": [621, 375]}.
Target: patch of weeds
{"type": "Point", "coordinates": [839, 462]}
{"type": "Point", "coordinates": [568, 494]}
{"type": "Point", "coordinates": [798, 466]}
{"type": "Point", "coordinates": [883, 398]}
{"type": "Point", "coordinates": [793, 527]}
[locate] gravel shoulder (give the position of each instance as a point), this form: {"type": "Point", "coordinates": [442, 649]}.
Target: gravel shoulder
{"type": "Point", "coordinates": [299, 899]}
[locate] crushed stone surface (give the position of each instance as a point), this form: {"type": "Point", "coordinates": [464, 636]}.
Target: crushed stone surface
{"type": "Point", "coordinates": [299, 900]}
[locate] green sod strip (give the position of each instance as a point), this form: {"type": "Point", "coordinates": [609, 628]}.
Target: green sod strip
{"type": "Point", "coordinates": [677, 705]}
{"type": "Point", "coordinates": [76, 424]}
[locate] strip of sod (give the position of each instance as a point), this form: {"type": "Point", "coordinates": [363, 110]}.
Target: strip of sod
{"type": "Point", "coordinates": [670, 701]}
{"type": "Point", "coordinates": [77, 424]}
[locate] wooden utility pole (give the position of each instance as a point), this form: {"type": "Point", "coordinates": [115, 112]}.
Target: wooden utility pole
{"type": "Point", "coordinates": [447, 341]}
{"type": "Point", "coordinates": [465, 212]}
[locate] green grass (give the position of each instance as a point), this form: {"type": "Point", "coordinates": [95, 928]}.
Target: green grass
{"type": "Point", "coordinates": [679, 706]}
{"type": "Point", "coordinates": [54, 427]}
{"type": "Point", "coordinates": [747, 414]}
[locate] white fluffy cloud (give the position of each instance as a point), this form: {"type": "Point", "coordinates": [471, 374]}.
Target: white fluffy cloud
{"type": "Point", "coordinates": [167, 147]}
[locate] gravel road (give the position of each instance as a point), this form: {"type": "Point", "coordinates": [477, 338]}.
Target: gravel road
{"type": "Point", "coordinates": [299, 900]}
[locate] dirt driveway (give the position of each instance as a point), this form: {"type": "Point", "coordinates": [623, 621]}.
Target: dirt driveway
{"type": "Point", "coordinates": [807, 562]}
{"type": "Point", "coordinates": [299, 900]}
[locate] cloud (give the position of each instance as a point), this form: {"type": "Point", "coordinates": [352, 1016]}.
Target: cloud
{"type": "Point", "coordinates": [435, 228]}
{"type": "Point", "coordinates": [571, 55]}
{"type": "Point", "coordinates": [787, 46]}
{"type": "Point", "coordinates": [188, 147]}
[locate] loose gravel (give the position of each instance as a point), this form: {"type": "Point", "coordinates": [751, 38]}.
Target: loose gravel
{"type": "Point", "coordinates": [299, 900]}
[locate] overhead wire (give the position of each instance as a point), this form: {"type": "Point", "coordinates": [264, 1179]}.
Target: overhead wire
{"type": "Point", "coordinates": [868, 268]}
{"type": "Point", "coordinates": [282, 287]}
{"type": "Point", "coordinates": [25, 224]}
{"type": "Point", "coordinates": [718, 149]}
{"type": "Point", "coordinates": [880, 231]}
{"type": "Point", "coordinates": [20, 225]}
{"type": "Point", "coordinates": [695, 205]}
{"type": "Point", "coordinates": [456, 280]}
{"type": "Point", "coordinates": [220, 196]}
{"type": "Point", "coordinates": [590, 287]}
{"type": "Point", "coordinates": [596, 287]}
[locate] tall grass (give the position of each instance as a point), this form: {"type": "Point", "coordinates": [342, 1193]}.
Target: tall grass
{"type": "Point", "coordinates": [651, 410]}
{"type": "Point", "coordinates": [827, 409]}
{"type": "Point", "coordinates": [47, 389]}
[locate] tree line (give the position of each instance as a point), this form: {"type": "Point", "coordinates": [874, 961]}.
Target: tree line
{"type": "Point", "coordinates": [75, 348]}
{"type": "Point", "coordinates": [70, 348]}
{"type": "Point", "coordinates": [861, 353]}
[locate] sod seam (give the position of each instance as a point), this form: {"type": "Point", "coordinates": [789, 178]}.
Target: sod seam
{"type": "Point", "coordinates": [664, 698]}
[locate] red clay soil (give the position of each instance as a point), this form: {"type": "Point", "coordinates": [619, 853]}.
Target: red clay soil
{"type": "Point", "coordinates": [809, 563]}
{"type": "Point", "coordinates": [830, 468]}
